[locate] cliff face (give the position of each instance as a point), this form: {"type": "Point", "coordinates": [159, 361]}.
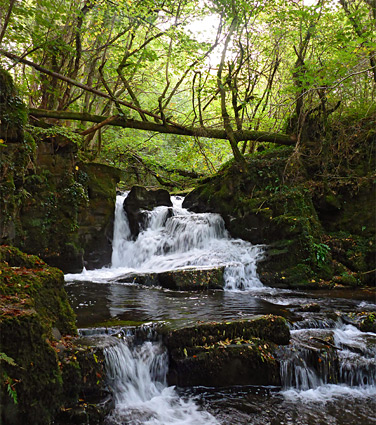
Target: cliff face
{"type": "Point", "coordinates": [52, 204]}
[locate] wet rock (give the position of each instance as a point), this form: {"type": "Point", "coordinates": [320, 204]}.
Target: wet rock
{"type": "Point", "coordinates": [225, 354]}
{"type": "Point", "coordinates": [140, 199]}
{"type": "Point", "coordinates": [256, 210]}
{"type": "Point", "coordinates": [311, 307]}
{"type": "Point", "coordinates": [221, 366]}
{"type": "Point", "coordinates": [186, 279]}
{"type": "Point", "coordinates": [368, 323]}
{"type": "Point", "coordinates": [365, 321]}
{"type": "Point", "coordinates": [269, 328]}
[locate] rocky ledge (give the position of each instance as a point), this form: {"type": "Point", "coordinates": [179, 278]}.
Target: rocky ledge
{"type": "Point", "coordinates": [225, 354]}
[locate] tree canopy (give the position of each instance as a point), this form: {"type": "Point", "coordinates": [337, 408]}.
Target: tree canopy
{"type": "Point", "coordinates": [238, 70]}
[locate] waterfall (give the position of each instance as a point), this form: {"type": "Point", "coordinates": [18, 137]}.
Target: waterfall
{"type": "Point", "coordinates": [136, 374]}
{"type": "Point", "coordinates": [314, 371]}
{"type": "Point", "coordinates": [175, 238]}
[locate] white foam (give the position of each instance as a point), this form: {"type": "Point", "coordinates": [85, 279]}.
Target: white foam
{"type": "Point", "coordinates": [175, 238]}
{"type": "Point", "coordinates": [137, 378]}
{"type": "Point", "coordinates": [328, 393]}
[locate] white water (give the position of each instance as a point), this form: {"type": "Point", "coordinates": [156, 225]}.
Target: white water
{"type": "Point", "coordinates": [137, 378]}
{"type": "Point", "coordinates": [356, 352]}
{"type": "Point", "coordinates": [175, 238]}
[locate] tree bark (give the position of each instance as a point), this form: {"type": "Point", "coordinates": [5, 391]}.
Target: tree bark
{"type": "Point", "coordinates": [210, 133]}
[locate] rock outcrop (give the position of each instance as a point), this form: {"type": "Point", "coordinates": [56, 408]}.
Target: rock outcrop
{"type": "Point", "coordinates": [44, 370]}
{"type": "Point", "coordinates": [139, 200]}
{"type": "Point", "coordinates": [315, 232]}
{"type": "Point", "coordinates": [225, 354]}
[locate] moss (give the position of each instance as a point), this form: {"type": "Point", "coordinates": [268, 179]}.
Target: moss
{"type": "Point", "coordinates": [37, 374]}
{"type": "Point", "coordinates": [270, 328]}
{"type": "Point", "coordinates": [42, 287]}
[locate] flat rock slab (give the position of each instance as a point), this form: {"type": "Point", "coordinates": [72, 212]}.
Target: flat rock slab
{"type": "Point", "coordinates": [186, 279]}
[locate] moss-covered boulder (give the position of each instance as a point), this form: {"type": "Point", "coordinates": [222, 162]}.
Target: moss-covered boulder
{"type": "Point", "coordinates": [37, 286]}
{"type": "Point", "coordinates": [35, 319]}
{"type": "Point", "coordinates": [225, 354]}
{"type": "Point", "coordinates": [47, 375]}
{"type": "Point", "coordinates": [187, 279]}
{"type": "Point", "coordinates": [230, 363]}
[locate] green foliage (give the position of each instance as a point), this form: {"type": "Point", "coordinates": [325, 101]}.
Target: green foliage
{"type": "Point", "coordinates": [321, 252]}
{"type": "Point", "coordinates": [55, 131]}
{"type": "Point", "coordinates": [280, 53]}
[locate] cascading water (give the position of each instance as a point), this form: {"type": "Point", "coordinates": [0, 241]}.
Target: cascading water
{"type": "Point", "coordinates": [328, 371]}
{"type": "Point", "coordinates": [174, 239]}
{"type": "Point", "coordinates": [136, 374]}
{"type": "Point", "coordinates": [324, 364]}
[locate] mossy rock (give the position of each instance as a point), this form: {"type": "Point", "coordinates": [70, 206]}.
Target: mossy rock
{"type": "Point", "coordinates": [225, 354]}
{"type": "Point", "coordinates": [227, 364]}
{"type": "Point", "coordinates": [368, 322]}
{"type": "Point", "coordinates": [187, 279]}
{"type": "Point", "coordinates": [269, 328]}
{"type": "Point", "coordinates": [40, 287]}
{"type": "Point", "coordinates": [260, 207]}
{"type": "Point", "coordinates": [36, 376]}
{"type": "Point", "coordinates": [42, 373]}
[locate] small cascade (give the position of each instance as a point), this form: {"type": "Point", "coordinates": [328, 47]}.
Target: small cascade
{"type": "Point", "coordinates": [357, 356]}
{"type": "Point", "coordinates": [174, 238]}
{"type": "Point", "coordinates": [136, 373]}
{"type": "Point", "coordinates": [319, 357]}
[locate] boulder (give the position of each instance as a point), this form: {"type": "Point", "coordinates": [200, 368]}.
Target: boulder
{"type": "Point", "coordinates": [187, 279]}
{"type": "Point", "coordinates": [47, 375]}
{"type": "Point", "coordinates": [140, 199]}
{"type": "Point", "coordinates": [250, 363]}
{"type": "Point", "coordinates": [34, 311]}
{"type": "Point", "coordinates": [224, 354]}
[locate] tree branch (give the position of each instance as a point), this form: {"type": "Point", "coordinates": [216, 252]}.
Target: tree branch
{"type": "Point", "coordinates": [6, 20]}
{"type": "Point", "coordinates": [210, 133]}
{"type": "Point", "coordinates": [80, 85]}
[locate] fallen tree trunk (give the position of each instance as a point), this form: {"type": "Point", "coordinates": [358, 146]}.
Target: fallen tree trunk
{"type": "Point", "coordinates": [210, 133]}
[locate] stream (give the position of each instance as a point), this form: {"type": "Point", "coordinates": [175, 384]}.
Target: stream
{"type": "Point", "coordinates": [174, 238]}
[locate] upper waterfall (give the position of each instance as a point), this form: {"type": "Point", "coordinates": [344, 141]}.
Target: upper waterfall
{"type": "Point", "coordinates": [175, 238]}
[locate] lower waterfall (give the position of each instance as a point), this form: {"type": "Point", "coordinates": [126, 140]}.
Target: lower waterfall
{"type": "Point", "coordinates": [136, 375]}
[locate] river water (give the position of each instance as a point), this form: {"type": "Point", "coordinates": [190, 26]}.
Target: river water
{"type": "Point", "coordinates": [174, 238]}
